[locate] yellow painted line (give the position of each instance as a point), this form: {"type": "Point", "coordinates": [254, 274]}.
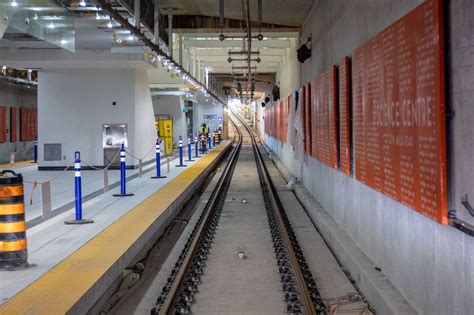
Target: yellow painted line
{"type": "Point", "coordinates": [58, 290]}
{"type": "Point", "coordinates": [16, 164]}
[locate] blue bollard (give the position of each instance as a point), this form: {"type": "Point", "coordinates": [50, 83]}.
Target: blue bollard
{"type": "Point", "coordinates": [196, 147]}
{"type": "Point", "coordinates": [203, 145]}
{"type": "Point", "coordinates": [123, 176]}
{"type": "Point", "coordinates": [181, 153]}
{"type": "Point", "coordinates": [209, 141]}
{"type": "Point", "coordinates": [158, 161]}
{"type": "Point", "coordinates": [78, 192]}
{"type": "Point", "coordinates": [35, 152]}
{"type": "Point", "coordinates": [190, 158]}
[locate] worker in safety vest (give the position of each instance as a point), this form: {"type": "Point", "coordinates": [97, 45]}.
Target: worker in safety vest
{"type": "Point", "coordinates": [203, 135]}
{"type": "Point", "coordinates": [203, 129]}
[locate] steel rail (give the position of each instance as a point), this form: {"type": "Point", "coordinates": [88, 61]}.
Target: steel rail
{"type": "Point", "coordinates": [306, 299]}
{"type": "Point", "coordinates": [169, 304]}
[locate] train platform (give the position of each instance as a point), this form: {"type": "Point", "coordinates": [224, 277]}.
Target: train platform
{"type": "Point", "coordinates": [73, 265]}
{"type": "Point", "coordinates": [62, 186]}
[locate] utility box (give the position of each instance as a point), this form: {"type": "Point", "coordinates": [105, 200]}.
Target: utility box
{"type": "Point", "coordinates": [164, 128]}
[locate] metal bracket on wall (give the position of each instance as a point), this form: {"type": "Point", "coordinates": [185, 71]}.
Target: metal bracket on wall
{"type": "Point", "coordinates": [462, 226]}
{"type": "Point", "coordinates": [467, 205]}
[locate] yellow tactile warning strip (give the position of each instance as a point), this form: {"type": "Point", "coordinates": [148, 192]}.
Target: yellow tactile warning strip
{"type": "Point", "coordinates": [58, 290]}
{"type": "Point", "coordinates": [16, 164]}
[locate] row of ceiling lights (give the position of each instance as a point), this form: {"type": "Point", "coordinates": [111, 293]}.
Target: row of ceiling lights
{"type": "Point", "coordinates": [166, 62]}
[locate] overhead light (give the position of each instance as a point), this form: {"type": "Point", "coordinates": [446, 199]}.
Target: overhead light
{"type": "Point", "coordinates": [51, 25]}
{"type": "Point", "coordinates": [130, 38]}
{"type": "Point", "coordinates": [35, 17]}
{"type": "Point", "coordinates": [30, 70]}
{"type": "Point", "coordinates": [63, 42]}
{"type": "Point", "coordinates": [82, 3]}
{"type": "Point", "coordinates": [14, 3]}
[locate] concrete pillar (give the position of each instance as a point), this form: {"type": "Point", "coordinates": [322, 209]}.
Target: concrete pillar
{"type": "Point", "coordinates": [73, 106]}
{"type": "Point", "coordinates": [181, 50]}
{"type": "Point", "coordinates": [156, 22]}
{"type": "Point", "coordinates": [188, 58]}
{"type": "Point", "coordinates": [136, 12]}
{"type": "Point", "coordinates": [198, 72]}
{"type": "Point", "coordinates": [170, 31]}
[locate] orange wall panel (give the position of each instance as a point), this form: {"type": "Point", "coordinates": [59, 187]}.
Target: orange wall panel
{"type": "Point", "coordinates": [399, 111]}
{"type": "Point", "coordinates": [344, 116]}
{"type": "Point", "coordinates": [324, 117]}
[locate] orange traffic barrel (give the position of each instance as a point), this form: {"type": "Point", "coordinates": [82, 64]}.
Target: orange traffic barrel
{"type": "Point", "coordinates": [13, 249]}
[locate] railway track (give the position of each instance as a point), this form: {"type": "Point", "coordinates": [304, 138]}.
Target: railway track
{"type": "Point", "coordinates": [300, 293]}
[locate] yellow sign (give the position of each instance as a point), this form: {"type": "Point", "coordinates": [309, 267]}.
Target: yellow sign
{"type": "Point", "coordinates": [168, 136]}
{"type": "Point", "coordinates": [165, 132]}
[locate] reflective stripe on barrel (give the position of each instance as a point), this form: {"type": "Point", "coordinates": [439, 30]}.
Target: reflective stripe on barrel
{"type": "Point", "coordinates": [12, 246]}
{"type": "Point", "coordinates": [12, 209]}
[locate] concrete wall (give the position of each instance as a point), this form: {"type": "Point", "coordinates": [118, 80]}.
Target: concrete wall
{"type": "Point", "coordinates": [202, 109]}
{"type": "Point", "coordinates": [172, 105]}
{"type": "Point", "coordinates": [12, 95]}
{"type": "Point", "coordinates": [430, 264]}
{"type": "Point", "coordinates": [74, 105]}
{"type": "Point", "coordinates": [289, 74]}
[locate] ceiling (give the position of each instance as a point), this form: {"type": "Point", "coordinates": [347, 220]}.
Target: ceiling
{"type": "Point", "coordinates": [95, 45]}
{"type": "Point", "coordinates": [289, 12]}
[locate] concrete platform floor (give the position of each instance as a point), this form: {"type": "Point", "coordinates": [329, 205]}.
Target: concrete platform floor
{"type": "Point", "coordinates": [62, 186]}
{"type": "Point", "coordinates": [51, 241]}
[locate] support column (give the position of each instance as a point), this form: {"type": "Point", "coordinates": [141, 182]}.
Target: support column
{"type": "Point", "coordinates": [156, 22]}
{"type": "Point", "coordinates": [199, 75]}
{"type": "Point", "coordinates": [136, 12]}
{"type": "Point", "coordinates": [170, 31]}
{"type": "Point", "coordinates": [181, 50]}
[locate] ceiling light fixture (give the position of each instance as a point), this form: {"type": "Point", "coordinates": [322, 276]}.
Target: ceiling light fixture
{"type": "Point", "coordinates": [35, 17]}
{"type": "Point", "coordinates": [14, 3]}
{"type": "Point", "coordinates": [130, 38]}
{"type": "Point", "coordinates": [82, 3]}
{"type": "Point", "coordinates": [63, 42]}
{"type": "Point", "coordinates": [51, 25]}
